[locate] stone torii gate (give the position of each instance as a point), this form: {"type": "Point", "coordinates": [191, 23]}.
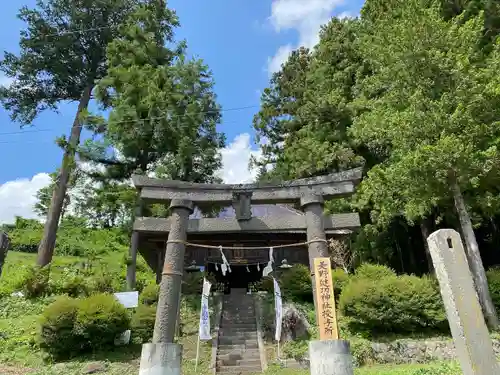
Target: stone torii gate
{"type": "Point", "coordinates": [182, 197]}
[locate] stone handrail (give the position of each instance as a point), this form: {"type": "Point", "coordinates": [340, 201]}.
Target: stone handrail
{"type": "Point", "coordinates": [260, 340]}
{"type": "Point", "coordinates": [218, 307]}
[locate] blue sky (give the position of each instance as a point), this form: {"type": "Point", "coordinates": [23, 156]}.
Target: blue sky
{"type": "Point", "coordinates": [241, 41]}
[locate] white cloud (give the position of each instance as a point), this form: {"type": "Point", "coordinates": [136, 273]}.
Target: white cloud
{"type": "Point", "coordinates": [303, 16]}
{"type": "Point", "coordinates": [18, 197]}
{"type": "Point", "coordinates": [5, 81]}
{"type": "Point", "coordinates": [235, 160]}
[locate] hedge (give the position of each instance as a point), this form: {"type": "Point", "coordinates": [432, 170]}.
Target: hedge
{"type": "Point", "coordinates": [400, 304]}
{"type": "Point", "coordinates": [72, 326]}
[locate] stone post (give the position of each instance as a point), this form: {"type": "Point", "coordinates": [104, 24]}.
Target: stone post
{"type": "Point", "coordinates": [471, 337]}
{"type": "Point", "coordinates": [312, 205]}
{"type": "Point", "coordinates": [173, 268]}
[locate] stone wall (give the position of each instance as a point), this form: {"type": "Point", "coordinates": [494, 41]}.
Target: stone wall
{"type": "Point", "coordinates": [418, 351]}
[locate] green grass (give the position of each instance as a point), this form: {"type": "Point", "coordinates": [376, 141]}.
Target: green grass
{"type": "Point", "coordinates": [429, 369]}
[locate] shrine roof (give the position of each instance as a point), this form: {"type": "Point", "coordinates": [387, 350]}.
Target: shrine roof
{"type": "Point", "coordinates": [262, 210]}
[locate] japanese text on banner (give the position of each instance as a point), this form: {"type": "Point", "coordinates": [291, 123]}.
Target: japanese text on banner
{"type": "Point", "coordinates": [278, 305]}
{"type": "Point", "coordinates": [204, 313]}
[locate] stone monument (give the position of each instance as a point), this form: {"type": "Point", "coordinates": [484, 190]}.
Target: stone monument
{"type": "Point", "coordinates": [471, 336]}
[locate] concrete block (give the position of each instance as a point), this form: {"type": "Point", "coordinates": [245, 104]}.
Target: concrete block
{"type": "Point", "coordinates": [330, 357]}
{"type": "Point", "coordinates": [161, 359]}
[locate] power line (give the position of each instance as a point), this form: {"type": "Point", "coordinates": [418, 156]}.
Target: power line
{"type": "Point", "coordinates": [61, 33]}
{"type": "Point", "coordinates": [138, 120]}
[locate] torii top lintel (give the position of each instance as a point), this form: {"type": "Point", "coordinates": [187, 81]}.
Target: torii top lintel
{"type": "Point", "coordinates": [328, 186]}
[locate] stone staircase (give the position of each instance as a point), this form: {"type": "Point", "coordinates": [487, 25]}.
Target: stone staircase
{"type": "Point", "coordinates": [238, 348]}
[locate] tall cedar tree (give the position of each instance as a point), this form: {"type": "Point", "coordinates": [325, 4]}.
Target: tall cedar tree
{"type": "Point", "coordinates": [163, 111]}
{"type": "Point", "coordinates": [436, 114]}
{"type": "Point", "coordinates": [63, 54]}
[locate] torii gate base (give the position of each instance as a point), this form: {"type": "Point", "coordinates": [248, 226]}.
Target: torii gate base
{"type": "Point", "coordinates": [161, 359]}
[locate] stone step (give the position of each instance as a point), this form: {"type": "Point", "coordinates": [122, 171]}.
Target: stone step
{"type": "Point", "coordinates": [228, 348]}
{"type": "Point", "coordinates": [239, 369]}
{"type": "Point", "coordinates": [238, 314]}
{"type": "Point", "coordinates": [239, 325]}
{"type": "Point", "coordinates": [239, 362]}
{"type": "Point", "coordinates": [223, 340]}
{"type": "Point", "coordinates": [250, 354]}
{"type": "Point", "coordinates": [239, 321]}
{"type": "Point", "coordinates": [243, 352]}
{"type": "Point", "coordinates": [229, 322]}
{"type": "Point", "coordinates": [238, 335]}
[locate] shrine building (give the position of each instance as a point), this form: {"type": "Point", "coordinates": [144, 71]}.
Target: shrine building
{"type": "Point", "coordinates": [256, 217]}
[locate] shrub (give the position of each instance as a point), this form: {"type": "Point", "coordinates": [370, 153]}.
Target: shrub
{"type": "Point", "coordinates": [149, 295]}
{"type": "Point", "coordinates": [493, 276]}
{"type": "Point", "coordinates": [373, 272]}
{"type": "Point", "coordinates": [339, 278]}
{"type": "Point", "coordinates": [57, 336]}
{"type": "Point", "coordinates": [33, 281]}
{"type": "Point", "coordinates": [296, 284]}
{"type": "Point", "coordinates": [143, 323]}
{"type": "Point", "coordinates": [104, 282]}
{"type": "Point", "coordinates": [70, 283]}
{"type": "Point", "coordinates": [394, 303]}
{"type": "Point", "coordinates": [192, 283]}
{"type": "Point", "coordinates": [99, 320]}
{"type": "Point", "coordinates": [70, 326]}
{"type": "Point", "coordinates": [297, 349]}
{"type": "Point", "coordinates": [264, 285]}
{"type": "Point", "coordinates": [362, 351]}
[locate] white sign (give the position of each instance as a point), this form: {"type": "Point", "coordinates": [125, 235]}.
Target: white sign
{"type": "Point", "coordinates": [278, 305]}
{"type": "Point", "coordinates": [128, 299]}
{"type": "Point", "coordinates": [204, 332]}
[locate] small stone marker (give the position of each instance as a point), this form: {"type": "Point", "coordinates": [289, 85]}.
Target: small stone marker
{"type": "Point", "coordinates": [326, 314]}
{"type": "Point", "coordinates": [470, 334]}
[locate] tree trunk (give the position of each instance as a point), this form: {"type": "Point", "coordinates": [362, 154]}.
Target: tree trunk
{"type": "Point", "coordinates": [424, 229]}
{"type": "Point", "coordinates": [474, 258]}
{"type": "Point", "coordinates": [47, 244]}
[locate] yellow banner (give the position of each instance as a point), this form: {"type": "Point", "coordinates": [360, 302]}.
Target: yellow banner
{"type": "Point", "coordinates": [325, 300]}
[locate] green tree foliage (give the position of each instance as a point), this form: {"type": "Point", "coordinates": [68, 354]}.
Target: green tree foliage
{"type": "Point", "coordinates": [409, 91]}
{"type": "Point", "coordinates": [277, 118]}
{"type": "Point", "coordinates": [436, 118]}
{"type": "Point", "coordinates": [44, 195]}
{"type": "Point", "coordinates": [105, 204]}
{"type": "Point", "coordinates": [62, 55]}
{"type": "Point", "coordinates": [163, 109]}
